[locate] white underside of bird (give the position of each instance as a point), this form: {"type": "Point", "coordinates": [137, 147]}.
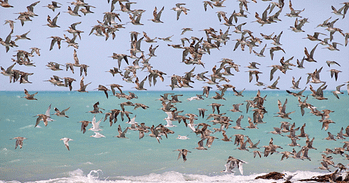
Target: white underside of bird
{"type": "Point", "coordinates": [97, 135]}
{"type": "Point", "coordinates": [180, 137]}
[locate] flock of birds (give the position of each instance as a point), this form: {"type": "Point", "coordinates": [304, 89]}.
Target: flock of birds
{"type": "Point", "coordinates": [194, 49]}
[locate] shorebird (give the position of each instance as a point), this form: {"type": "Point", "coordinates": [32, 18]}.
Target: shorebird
{"type": "Point", "coordinates": [7, 42]}
{"type": "Point", "coordinates": [183, 153]}
{"type": "Point", "coordinates": [335, 72]}
{"type": "Point", "coordinates": [29, 96]}
{"type": "Point", "coordinates": [318, 94]}
{"type": "Point", "coordinates": [179, 9]}
{"type": "Point", "coordinates": [181, 137]}
{"type": "Point", "coordinates": [201, 145]}
{"type": "Point", "coordinates": [61, 113]}
{"type": "Point", "coordinates": [273, 86]}
{"type": "Point", "coordinates": [136, 18]}
{"type": "Point", "coordinates": [95, 125]}
{"type": "Point", "coordinates": [82, 85]}
{"type": "Point", "coordinates": [216, 106]}
{"type": "Point", "coordinates": [168, 38]}
{"type": "Point", "coordinates": [19, 141]}
{"type": "Point", "coordinates": [96, 109]}
{"type": "Point", "coordinates": [97, 135]}
{"type": "Point", "coordinates": [87, 10]}
{"type": "Point", "coordinates": [157, 15]}
{"type": "Point", "coordinates": [65, 141]}
{"type": "Point", "coordinates": [73, 12]}
{"type": "Point", "coordinates": [238, 123]}
{"type": "Point", "coordinates": [54, 5]}
{"type": "Point", "coordinates": [297, 94]}
{"type": "Point", "coordinates": [55, 39]}
{"type": "Point", "coordinates": [294, 13]}
{"type": "Point", "coordinates": [53, 23]}
{"type": "Point", "coordinates": [282, 110]}
{"type": "Point", "coordinates": [84, 124]}
{"type": "Point", "coordinates": [333, 46]}
{"type": "Point", "coordinates": [253, 72]}
{"type": "Point", "coordinates": [5, 4]}
{"type": "Point", "coordinates": [236, 107]}
{"type": "Point", "coordinates": [324, 166]}
{"type": "Point", "coordinates": [232, 163]}
{"type": "Point", "coordinates": [22, 36]}
{"type": "Point", "coordinates": [44, 117]}
{"type": "Point", "coordinates": [122, 133]}
{"type": "Point", "coordinates": [325, 123]}
{"type": "Point", "coordinates": [104, 89]}
{"type": "Point", "coordinates": [210, 140]}
{"type": "Point", "coordinates": [139, 86]}
{"type": "Point", "coordinates": [338, 91]}
{"type": "Point", "coordinates": [273, 49]}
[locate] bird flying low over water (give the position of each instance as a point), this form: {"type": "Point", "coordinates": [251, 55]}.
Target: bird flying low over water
{"type": "Point", "coordinates": [65, 141]}
{"type": "Point", "coordinates": [44, 117]}
{"type": "Point", "coordinates": [29, 96]}
{"type": "Point", "coordinates": [19, 141]}
{"type": "Point", "coordinates": [183, 153]}
{"type": "Point", "coordinates": [232, 163]}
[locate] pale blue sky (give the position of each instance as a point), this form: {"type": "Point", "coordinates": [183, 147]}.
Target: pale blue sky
{"type": "Point", "coordinates": [95, 51]}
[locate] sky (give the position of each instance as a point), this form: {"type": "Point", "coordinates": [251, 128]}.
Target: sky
{"type": "Point", "coordinates": [96, 52]}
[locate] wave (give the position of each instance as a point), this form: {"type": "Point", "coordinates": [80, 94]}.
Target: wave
{"type": "Point", "coordinates": [96, 176]}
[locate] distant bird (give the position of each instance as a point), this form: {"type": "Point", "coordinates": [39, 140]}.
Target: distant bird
{"type": "Point", "coordinates": [54, 5]}
{"type": "Point", "coordinates": [84, 124]}
{"type": "Point", "coordinates": [181, 137]}
{"type": "Point", "coordinates": [65, 141]}
{"type": "Point", "coordinates": [186, 29]}
{"type": "Point", "coordinates": [61, 113]}
{"type": "Point", "coordinates": [139, 86]}
{"type": "Point", "coordinates": [104, 89]}
{"type": "Point", "coordinates": [96, 109]}
{"type": "Point", "coordinates": [122, 133]}
{"type": "Point", "coordinates": [82, 85]}
{"type": "Point", "coordinates": [238, 123]}
{"type": "Point", "coordinates": [157, 15]}
{"type": "Point", "coordinates": [253, 72]}
{"type": "Point", "coordinates": [179, 9]}
{"type": "Point", "coordinates": [5, 4]}
{"type": "Point", "coordinates": [44, 117]}
{"type": "Point", "coordinates": [29, 96]}
{"type": "Point", "coordinates": [201, 145]}
{"type": "Point", "coordinates": [232, 163]}
{"type": "Point", "coordinates": [95, 124]}
{"type": "Point", "coordinates": [273, 49]}
{"type": "Point", "coordinates": [236, 107]}
{"type": "Point", "coordinates": [206, 90]}
{"type": "Point", "coordinates": [297, 94]}
{"type": "Point", "coordinates": [309, 57]}
{"type": "Point", "coordinates": [22, 36]}
{"type": "Point", "coordinates": [335, 72]}
{"type": "Point", "coordinates": [273, 86]}
{"type": "Point", "coordinates": [215, 106]}
{"type": "Point", "coordinates": [73, 12]}
{"type": "Point", "coordinates": [53, 23]}
{"type": "Point", "coordinates": [97, 135]}
{"type": "Point", "coordinates": [19, 141]}
{"type": "Point", "coordinates": [338, 91]}
{"type": "Point", "coordinates": [329, 63]}
{"type": "Point", "coordinates": [295, 84]}
{"type": "Point", "coordinates": [183, 153]}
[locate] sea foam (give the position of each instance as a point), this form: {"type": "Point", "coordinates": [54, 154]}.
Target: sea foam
{"type": "Point", "coordinates": [96, 176]}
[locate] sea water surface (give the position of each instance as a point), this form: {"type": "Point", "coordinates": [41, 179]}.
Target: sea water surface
{"type": "Point", "coordinates": [44, 158]}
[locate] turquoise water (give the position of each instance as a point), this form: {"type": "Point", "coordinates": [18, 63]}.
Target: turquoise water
{"type": "Point", "coordinates": [44, 156]}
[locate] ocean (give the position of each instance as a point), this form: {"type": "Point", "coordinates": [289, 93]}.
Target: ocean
{"type": "Point", "coordinates": [44, 158]}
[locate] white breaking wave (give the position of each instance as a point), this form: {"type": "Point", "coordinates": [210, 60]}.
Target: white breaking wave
{"type": "Point", "coordinates": [96, 176]}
